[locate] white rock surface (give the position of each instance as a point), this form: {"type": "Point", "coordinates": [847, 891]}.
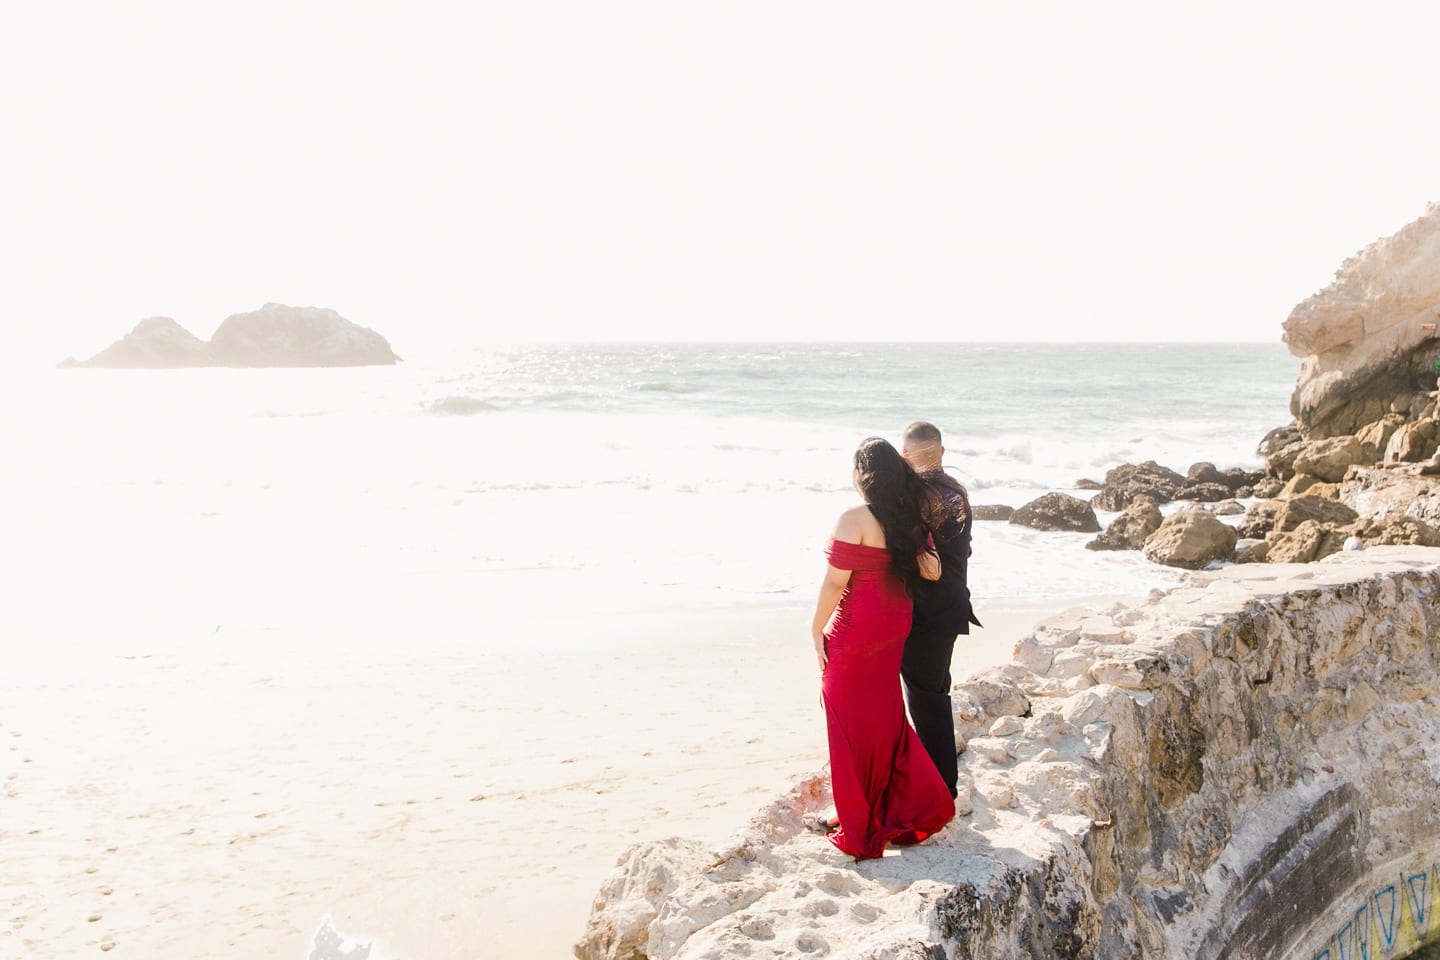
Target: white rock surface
{"type": "Point", "coordinates": [1267, 765]}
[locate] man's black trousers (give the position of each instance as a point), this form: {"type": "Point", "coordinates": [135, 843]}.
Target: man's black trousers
{"type": "Point", "coordinates": [925, 669]}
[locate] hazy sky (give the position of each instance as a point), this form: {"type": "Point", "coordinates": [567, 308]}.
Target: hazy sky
{"type": "Point", "coordinates": [736, 170]}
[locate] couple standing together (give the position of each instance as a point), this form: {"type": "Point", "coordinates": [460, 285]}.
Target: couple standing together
{"type": "Point", "coordinates": [893, 600]}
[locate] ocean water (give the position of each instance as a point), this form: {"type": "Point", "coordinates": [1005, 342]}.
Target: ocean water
{"type": "Point", "coordinates": [430, 502]}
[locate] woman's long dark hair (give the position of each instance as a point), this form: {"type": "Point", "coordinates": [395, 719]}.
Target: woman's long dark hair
{"type": "Point", "coordinates": [897, 496]}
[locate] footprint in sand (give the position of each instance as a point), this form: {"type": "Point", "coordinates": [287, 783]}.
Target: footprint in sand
{"type": "Point", "coordinates": [820, 908]}
{"type": "Point", "coordinates": [757, 928]}
{"type": "Point", "coordinates": [836, 884]}
{"type": "Point", "coordinates": [812, 943]}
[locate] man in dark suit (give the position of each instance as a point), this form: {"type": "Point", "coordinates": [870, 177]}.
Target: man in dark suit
{"type": "Point", "coordinates": [943, 611]}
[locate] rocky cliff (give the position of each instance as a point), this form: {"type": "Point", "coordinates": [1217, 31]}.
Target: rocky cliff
{"type": "Point", "coordinates": [276, 335]}
{"type": "Point", "coordinates": [1368, 341]}
{"type": "Point", "coordinates": [1244, 768]}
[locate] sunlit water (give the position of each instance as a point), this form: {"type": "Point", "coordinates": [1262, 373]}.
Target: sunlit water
{"type": "Point", "coordinates": [420, 503]}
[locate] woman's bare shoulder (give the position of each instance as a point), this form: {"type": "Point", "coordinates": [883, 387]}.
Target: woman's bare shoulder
{"type": "Point", "coordinates": [858, 525]}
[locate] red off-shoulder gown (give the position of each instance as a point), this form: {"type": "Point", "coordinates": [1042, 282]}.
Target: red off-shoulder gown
{"type": "Point", "coordinates": [886, 787]}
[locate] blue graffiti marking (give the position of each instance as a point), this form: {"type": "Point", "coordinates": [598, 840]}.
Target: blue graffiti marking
{"type": "Point", "coordinates": [1342, 939]}
{"type": "Point", "coordinates": [1362, 932]}
{"type": "Point", "coordinates": [1420, 901]}
{"type": "Point", "coordinates": [1385, 917]}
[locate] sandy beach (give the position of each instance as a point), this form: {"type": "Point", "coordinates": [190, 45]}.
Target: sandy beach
{"type": "Point", "coordinates": [219, 798]}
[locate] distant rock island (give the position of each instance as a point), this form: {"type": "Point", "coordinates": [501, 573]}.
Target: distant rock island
{"type": "Point", "coordinates": [276, 335]}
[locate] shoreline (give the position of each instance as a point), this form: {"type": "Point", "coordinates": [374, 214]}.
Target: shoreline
{"type": "Point", "coordinates": [230, 796]}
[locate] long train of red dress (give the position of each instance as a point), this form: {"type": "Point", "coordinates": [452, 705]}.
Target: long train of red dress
{"type": "Point", "coordinates": [886, 787]}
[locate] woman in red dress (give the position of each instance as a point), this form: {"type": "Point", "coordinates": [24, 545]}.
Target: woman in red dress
{"type": "Point", "coordinates": [886, 787]}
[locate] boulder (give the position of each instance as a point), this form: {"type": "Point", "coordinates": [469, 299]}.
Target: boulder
{"type": "Point", "coordinates": [156, 343]}
{"type": "Point", "coordinates": [1204, 472]}
{"type": "Point", "coordinates": [1374, 436]}
{"type": "Point", "coordinates": [1127, 481]}
{"type": "Point", "coordinates": [1277, 440]}
{"type": "Point", "coordinates": [1228, 508]}
{"type": "Point", "coordinates": [1259, 520]}
{"type": "Point", "coordinates": [1131, 528]}
{"type": "Point", "coordinates": [1281, 463]}
{"type": "Point", "coordinates": [991, 511]}
{"type": "Point", "coordinates": [1310, 541]}
{"type": "Point", "coordinates": [1204, 492]}
{"type": "Point", "coordinates": [1231, 479]}
{"type": "Point", "coordinates": [1252, 551]}
{"type": "Point", "coordinates": [1329, 459]}
{"type": "Point", "coordinates": [1267, 488]}
{"type": "Point", "coordinates": [1191, 539]}
{"type": "Point", "coordinates": [1411, 442]}
{"type": "Point", "coordinates": [1368, 339]}
{"type": "Point", "coordinates": [1325, 491]}
{"type": "Point", "coordinates": [1397, 530]}
{"type": "Point", "coordinates": [1237, 478]}
{"type": "Point", "coordinates": [1384, 493]}
{"type": "Point", "coordinates": [1057, 511]}
{"type": "Point", "coordinates": [1293, 513]}
{"type": "Point", "coordinates": [281, 336]}
{"type": "Point", "coordinates": [1297, 485]}
{"type": "Point", "coordinates": [1085, 483]}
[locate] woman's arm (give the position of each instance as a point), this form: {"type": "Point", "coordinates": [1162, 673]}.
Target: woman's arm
{"type": "Point", "coordinates": [928, 559]}
{"type": "Point", "coordinates": [847, 528]}
{"type": "Point", "coordinates": [929, 562]}
{"type": "Point", "coordinates": [831, 588]}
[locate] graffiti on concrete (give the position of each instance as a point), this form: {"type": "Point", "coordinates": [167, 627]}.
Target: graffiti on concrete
{"type": "Point", "coordinates": [1392, 921]}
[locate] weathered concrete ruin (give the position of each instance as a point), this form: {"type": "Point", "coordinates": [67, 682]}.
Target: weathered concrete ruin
{"type": "Point", "coordinates": [1247, 767]}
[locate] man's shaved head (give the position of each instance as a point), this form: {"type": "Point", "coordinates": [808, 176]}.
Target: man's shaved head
{"type": "Point", "coordinates": [922, 446]}
{"type": "Point", "coordinates": [921, 434]}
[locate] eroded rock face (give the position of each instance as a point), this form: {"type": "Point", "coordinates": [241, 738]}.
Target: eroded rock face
{"type": "Point", "coordinates": [1374, 437]}
{"type": "Point", "coordinates": [1365, 342]}
{"type": "Point", "coordinates": [1259, 520]}
{"type": "Point", "coordinates": [1398, 529]}
{"type": "Point", "coordinates": [1328, 460]}
{"type": "Point", "coordinates": [1385, 493]}
{"type": "Point", "coordinates": [1191, 539]}
{"type": "Point", "coordinates": [1412, 442]}
{"type": "Point", "coordinates": [1235, 774]}
{"type": "Point", "coordinates": [1294, 512]}
{"type": "Point", "coordinates": [1131, 528]}
{"type": "Point", "coordinates": [1057, 511]}
{"type": "Point", "coordinates": [1309, 541]}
